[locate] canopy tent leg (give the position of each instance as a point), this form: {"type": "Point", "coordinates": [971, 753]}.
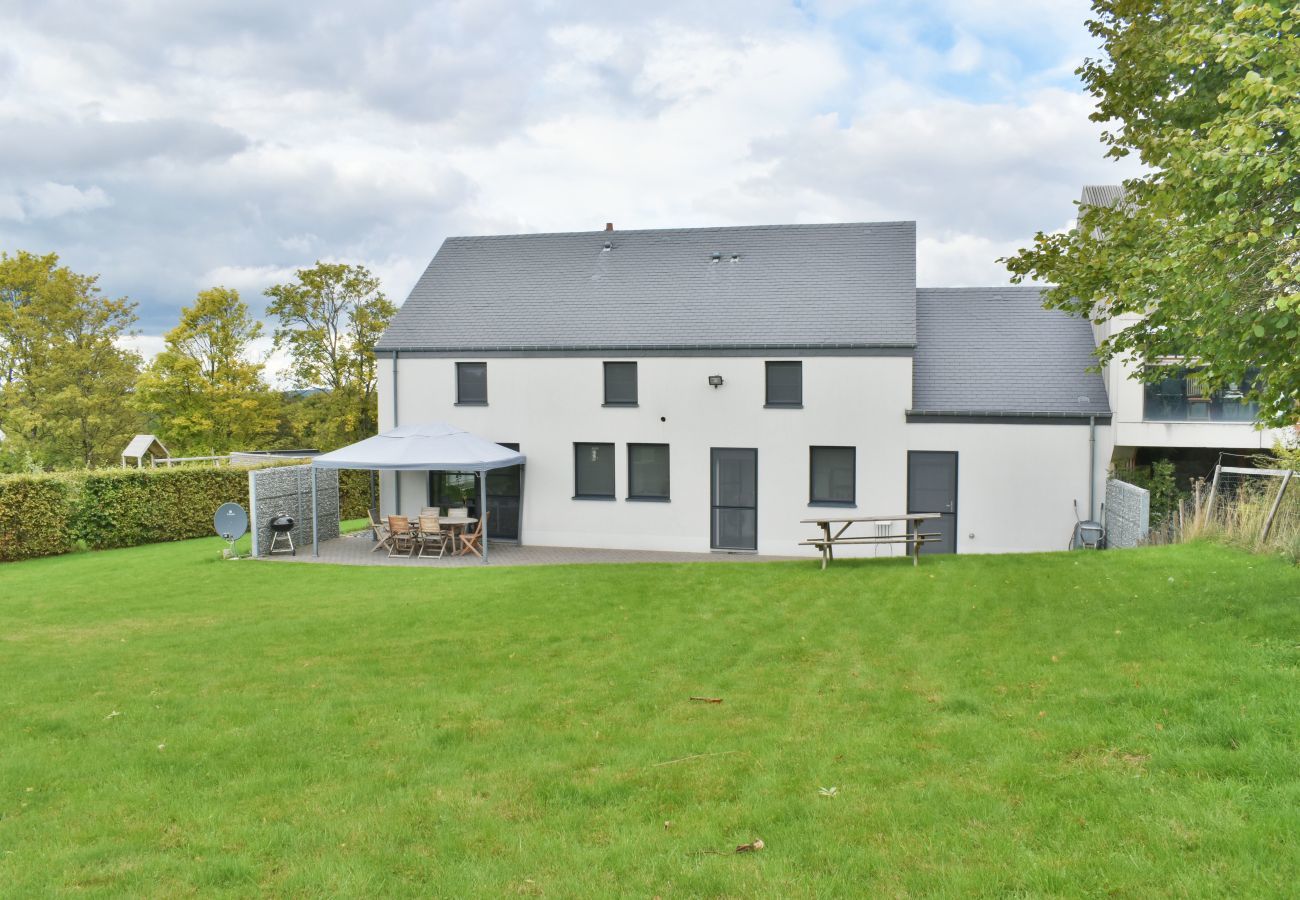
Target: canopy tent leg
{"type": "Point", "coordinates": [482, 509]}
{"type": "Point", "coordinates": [315, 537]}
{"type": "Point", "coordinates": [374, 506]}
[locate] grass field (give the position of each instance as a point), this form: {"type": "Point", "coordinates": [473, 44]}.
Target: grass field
{"type": "Point", "coordinates": [1124, 723]}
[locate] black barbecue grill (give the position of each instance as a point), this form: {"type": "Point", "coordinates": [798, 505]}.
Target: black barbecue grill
{"type": "Point", "coordinates": [282, 527]}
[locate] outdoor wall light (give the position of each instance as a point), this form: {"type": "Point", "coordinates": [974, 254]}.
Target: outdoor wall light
{"type": "Point", "coordinates": [715, 381]}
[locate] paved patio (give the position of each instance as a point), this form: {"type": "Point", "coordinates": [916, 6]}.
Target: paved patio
{"type": "Point", "coordinates": [356, 550]}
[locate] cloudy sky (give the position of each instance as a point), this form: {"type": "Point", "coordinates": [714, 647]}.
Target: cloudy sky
{"type": "Point", "coordinates": [171, 146]}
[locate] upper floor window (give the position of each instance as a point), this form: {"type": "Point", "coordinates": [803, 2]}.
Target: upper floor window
{"type": "Point", "coordinates": [620, 384]}
{"type": "Point", "coordinates": [784, 384]}
{"type": "Point", "coordinates": [471, 384]}
{"type": "Point", "coordinates": [832, 476]}
{"type": "Point", "coordinates": [1183, 397]}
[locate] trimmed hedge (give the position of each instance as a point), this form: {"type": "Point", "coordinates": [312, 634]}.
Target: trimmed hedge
{"type": "Point", "coordinates": [354, 493]}
{"type": "Point", "coordinates": [44, 515]}
{"type": "Point", "coordinates": [35, 516]}
{"type": "Point", "coordinates": [127, 507]}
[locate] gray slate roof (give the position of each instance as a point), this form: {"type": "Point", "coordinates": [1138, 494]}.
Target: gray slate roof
{"type": "Point", "coordinates": [1101, 195]}
{"type": "Point", "coordinates": [791, 286]}
{"type": "Point", "coordinates": [996, 351]}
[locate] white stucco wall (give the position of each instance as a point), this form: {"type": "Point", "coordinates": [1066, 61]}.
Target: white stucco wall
{"type": "Point", "coordinates": [1016, 484]}
{"type": "Point", "coordinates": [1015, 481]}
{"type": "Point", "coordinates": [1127, 400]}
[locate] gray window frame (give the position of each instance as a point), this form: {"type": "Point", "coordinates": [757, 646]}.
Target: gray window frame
{"type": "Point", "coordinates": [768, 367]}
{"type": "Point", "coordinates": [636, 383]}
{"type": "Point", "coordinates": [813, 500]}
{"type": "Point", "coordinates": [650, 498]}
{"type": "Point", "coordinates": [613, 464]}
{"type": "Point", "coordinates": [460, 401]}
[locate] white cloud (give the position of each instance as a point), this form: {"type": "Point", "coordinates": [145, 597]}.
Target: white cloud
{"type": "Point", "coordinates": [172, 147]}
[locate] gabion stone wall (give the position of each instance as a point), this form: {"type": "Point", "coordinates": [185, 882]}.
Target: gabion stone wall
{"type": "Point", "coordinates": [1128, 514]}
{"type": "Point", "coordinates": [286, 491]}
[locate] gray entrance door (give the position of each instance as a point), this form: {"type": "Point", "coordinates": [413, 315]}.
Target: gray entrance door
{"type": "Point", "coordinates": [932, 488]}
{"type": "Point", "coordinates": [734, 490]}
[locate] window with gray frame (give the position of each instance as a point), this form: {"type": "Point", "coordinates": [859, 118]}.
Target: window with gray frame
{"type": "Point", "coordinates": [593, 471]}
{"type": "Point", "coordinates": [620, 384]}
{"type": "Point", "coordinates": [785, 384]}
{"type": "Point", "coordinates": [647, 471]}
{"type": "Point", "coordinates": [832, 476]}
{"type": "Point", "coordinates": [471, 384]}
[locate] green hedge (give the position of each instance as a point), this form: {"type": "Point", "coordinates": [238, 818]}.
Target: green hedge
{"type": "Point", "coordinates": [35, 516]}
{"type": "Point", "coordinates": [44, 515]}
{"type": "Point", "coordinates": [127, 507]}
{"type": "Point", "coordinates": [354, 493]}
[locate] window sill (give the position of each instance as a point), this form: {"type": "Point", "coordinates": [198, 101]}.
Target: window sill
{"type": "Point", "coordinates": [838, 504]}
{"type": "Point", "coordinates": [471, 403]}
{"type": "Point", "coordinates": [611, 498]}
{"type": "Point", "coordinates": [782, 406]}
{"type": "Point", "coordinates": [624, 405]}
{"type": "Point", "coordinates": [648, 499]}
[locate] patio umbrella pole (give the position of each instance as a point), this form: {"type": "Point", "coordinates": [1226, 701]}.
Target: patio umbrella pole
{"type": "Point", "coordinates": [315, 542]}
{"type": "Point", "coordinates": [482, 509]}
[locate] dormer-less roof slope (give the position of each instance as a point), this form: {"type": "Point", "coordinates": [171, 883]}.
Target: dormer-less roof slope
{"type": "Point", "coordinates": [744, 288]}
{"type": "Point", "coordinates": [997, 353]}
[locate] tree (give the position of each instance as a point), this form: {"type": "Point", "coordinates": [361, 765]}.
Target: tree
{"type": "Point", "coordinates": [64, 381]}
{"type": "Point", "coordinates": [330, 318]}
{"type": "Point", "coordinates": [203, 392]}
{"type": "Point", "coordinates": [1205, 248]}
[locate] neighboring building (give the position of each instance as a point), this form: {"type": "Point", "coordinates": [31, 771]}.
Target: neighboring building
{"type": "Point", "coordinates": [696, 389]}
{"type": "Point", "coordinates": [1177, 418]}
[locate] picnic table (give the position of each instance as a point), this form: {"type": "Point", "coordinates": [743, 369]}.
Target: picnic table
{"type": "Point", "coordinates": [827, 542]}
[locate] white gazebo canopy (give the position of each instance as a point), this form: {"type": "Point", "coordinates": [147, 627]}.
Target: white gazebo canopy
{"type": "Point", "coordinates": [435, 447]}
{"type": "Point", "coordinates": [432, 447]}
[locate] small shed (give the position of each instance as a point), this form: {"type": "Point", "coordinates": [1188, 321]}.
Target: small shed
{"type": "Point", "coordinates": [144, 446]}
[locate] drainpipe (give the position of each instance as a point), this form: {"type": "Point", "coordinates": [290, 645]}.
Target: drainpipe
{"type": "Point", "coordinates": [397, 475]}
{"type": "Point", "coordinates": [1092, 467]}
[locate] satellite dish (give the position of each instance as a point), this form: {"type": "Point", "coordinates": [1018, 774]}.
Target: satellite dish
{"type": "Point", "coordinates": [231, 522]}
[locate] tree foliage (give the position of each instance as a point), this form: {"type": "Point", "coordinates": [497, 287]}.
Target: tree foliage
{"type": "Point", "coordinates": [330, 317]}
{"type": "Point", "coordinates": [202, 392]}
{"type": "Point", "coordinates": [1204, 250]}
{"type": "Point", "coordinates": [63, 377]}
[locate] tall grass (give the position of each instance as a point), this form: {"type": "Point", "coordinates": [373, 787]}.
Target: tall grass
{"type": "Point", "coordinates": [1237, 516]}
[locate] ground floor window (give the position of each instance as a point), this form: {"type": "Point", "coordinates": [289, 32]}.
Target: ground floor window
{"type": "Point", "coordinates": [593, 471]}
{"type": "Point", "coordinates": [832, 478]}
{"type": "Point", "coordinates": [647, 471]}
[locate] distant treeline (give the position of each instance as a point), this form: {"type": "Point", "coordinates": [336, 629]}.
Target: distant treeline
{"type": "Point", "coordinates": [71, 395]}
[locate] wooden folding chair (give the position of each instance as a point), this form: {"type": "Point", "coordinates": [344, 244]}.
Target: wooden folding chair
{"type": "Point", "coordinates": [382, 536]}
{"type": "Point", "coordinates": [431, 533]}
{"type": "Point", "coordinates": [473, 542]}
{"type": "Point", "coordinates": [402, 539]}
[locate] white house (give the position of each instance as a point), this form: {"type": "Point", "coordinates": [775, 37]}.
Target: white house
{"type": "Point", "coordinates": [707, 388]}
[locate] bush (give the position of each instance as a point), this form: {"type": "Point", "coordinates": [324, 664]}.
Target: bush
{"type": "Point", "coordinates": [35, 516]}
{"type": "Point", "coordinates": [127, 507]}
{"type": "Point", "coordinates": [354, 493]}
{"type": "Point", "coordinates": [1158, 480]}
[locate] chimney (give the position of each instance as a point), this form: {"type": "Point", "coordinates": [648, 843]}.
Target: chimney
{"type": "Point", "coordinates": [609, 226]}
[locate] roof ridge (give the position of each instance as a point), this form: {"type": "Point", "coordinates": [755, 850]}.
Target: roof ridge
{"type": "Point", "coordinates": [681, 230]}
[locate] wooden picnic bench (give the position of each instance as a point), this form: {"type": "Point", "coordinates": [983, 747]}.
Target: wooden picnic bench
{"type": "Point", "coordinates": [827, 542]}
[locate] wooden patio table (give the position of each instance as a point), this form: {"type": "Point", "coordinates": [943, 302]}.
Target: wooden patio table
{"type": "Point", "coordinates": [457, 524]}
{"type": "Point", "coordinates": [827, 542]}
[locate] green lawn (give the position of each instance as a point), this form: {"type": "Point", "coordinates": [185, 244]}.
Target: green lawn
{"type": "Point", "coordinates": [1122, 723]}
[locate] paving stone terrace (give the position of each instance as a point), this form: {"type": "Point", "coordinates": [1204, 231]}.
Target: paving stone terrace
{"type": "Point", "coordinates": [356, 549]}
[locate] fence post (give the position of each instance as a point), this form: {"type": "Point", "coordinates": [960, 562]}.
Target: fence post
{"type": "Point", "coordinates": [1214, 490]}
{"type": "Point", "coordinates": [1272, 513]}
